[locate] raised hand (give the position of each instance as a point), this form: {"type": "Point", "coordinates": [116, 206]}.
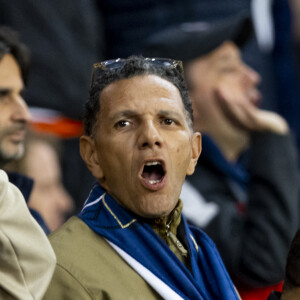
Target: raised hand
{"type": "Point", "coordinates": [244, 113]}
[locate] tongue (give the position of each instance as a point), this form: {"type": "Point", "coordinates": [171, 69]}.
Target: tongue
{"type": "Point", "coordinates": [153, 175]}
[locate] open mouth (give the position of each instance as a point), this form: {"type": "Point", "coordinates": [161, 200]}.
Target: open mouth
{"type": "Point", "coordinates": [153, 172]}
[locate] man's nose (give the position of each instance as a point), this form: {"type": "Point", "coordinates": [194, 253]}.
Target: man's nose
{"type": "Point", "coordinates": [149, 135]}
{"type": "Point", "coordinates": [21, 111]}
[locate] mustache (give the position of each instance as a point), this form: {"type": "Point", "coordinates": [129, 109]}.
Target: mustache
{"type": "Point", "coordinates": [20, 126]}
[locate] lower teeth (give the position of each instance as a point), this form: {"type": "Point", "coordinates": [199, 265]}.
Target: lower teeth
{"type": "Point", "coordinates": [154, 181]}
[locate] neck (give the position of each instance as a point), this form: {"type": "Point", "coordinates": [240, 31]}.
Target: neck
{"type": "Point", "coordinates": [231, 148]}
{"type": "Point", "coordinates": [162, 224]}
{"type": "Point", "coordinates": [166, 228]}
{"type": "Point", "coordinates": [231, 141]}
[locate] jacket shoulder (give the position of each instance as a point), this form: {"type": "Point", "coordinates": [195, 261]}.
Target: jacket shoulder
{"type": "Point", "coordinates": [89, 268]}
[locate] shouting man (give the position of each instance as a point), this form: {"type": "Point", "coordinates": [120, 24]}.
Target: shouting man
{"type": "Point", "coordinates": [130, 240]}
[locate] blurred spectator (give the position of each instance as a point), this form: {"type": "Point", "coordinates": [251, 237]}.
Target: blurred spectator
{"type": "Point", "coordinates": [65, 38]}
{"type": "Point", "coordinates": [41, 163]}
{"type": "Point", "coordinates": [291, 287]}
{"type": "Point", "coordinates": [27, 259]}
{"type": "Point", "coordinates": [253, 199]}
{"type": "Point", "coordinates": [14, 117]}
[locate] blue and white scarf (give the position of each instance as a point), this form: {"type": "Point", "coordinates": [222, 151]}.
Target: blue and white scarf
{"type": "Point", "coordinates": [135, 239]}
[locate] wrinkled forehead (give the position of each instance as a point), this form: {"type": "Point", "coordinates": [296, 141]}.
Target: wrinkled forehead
{"type": "Point", "coordinates": [140, 95]}
{"type": "Point", "coordinates": [146, 80]}
{"type": "Point", "coordinates": [140, 90]}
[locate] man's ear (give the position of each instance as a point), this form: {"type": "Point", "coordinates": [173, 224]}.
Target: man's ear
{"type": "Point", "coordinates": [88, 153]}
{"type": "Point", "coordinates": [196, 150]}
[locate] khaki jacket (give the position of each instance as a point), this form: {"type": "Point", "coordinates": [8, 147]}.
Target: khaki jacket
{"type": "Point", "coordinates": [88, 268]}
{"type": "Point", "coordinates": [27, 260]}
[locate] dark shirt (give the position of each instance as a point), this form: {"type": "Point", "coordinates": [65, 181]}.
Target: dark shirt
{"type": "Point", "coordinates": [274, 296]}
{"type": "Point", "coordinates": [25, 185]}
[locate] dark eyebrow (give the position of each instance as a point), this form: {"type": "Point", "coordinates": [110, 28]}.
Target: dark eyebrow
{"type": "Point", "coordinates": [168, 113]}
{"type": "Point", "coordinates": [124, 114]}
{"type": "Point", "coordinates": [132, 114]}
{"type": "Point", "coordinates": [4, 91]}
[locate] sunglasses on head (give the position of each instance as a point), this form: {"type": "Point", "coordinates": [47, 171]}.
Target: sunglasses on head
{"type": "Point", "coordinates": [118, 63]}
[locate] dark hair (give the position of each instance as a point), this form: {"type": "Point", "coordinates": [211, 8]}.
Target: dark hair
{"type": "Point", "coordinates": [292, 271]}
{"type": "Point", "coordinates": [11, 44]}
{"type": "Point", "coordinates": [133, 66]}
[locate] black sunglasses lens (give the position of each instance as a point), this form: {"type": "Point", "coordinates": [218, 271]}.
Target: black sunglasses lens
{"type": "Point", "coordinates": [119, 63]}
{"type": "Point", "coordinates": [113, 64]}
{"type": "Point", "coordinates": [161, 62]}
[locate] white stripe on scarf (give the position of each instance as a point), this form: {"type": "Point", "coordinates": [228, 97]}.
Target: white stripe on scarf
{"type": "Point", "coordinates": [157, 284]}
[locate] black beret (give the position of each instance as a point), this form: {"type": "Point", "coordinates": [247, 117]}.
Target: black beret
{"type": "Point", "coordinates": [187, 41]}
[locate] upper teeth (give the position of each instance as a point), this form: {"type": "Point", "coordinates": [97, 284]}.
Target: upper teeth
{"type": "Point", "coordinates": [153, 163]}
